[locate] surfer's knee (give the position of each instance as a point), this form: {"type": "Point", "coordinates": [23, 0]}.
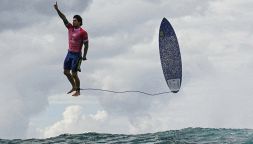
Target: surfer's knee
{"type": "Point", "coordinates": [67, 72]}
{"type": "Point", "coordinates": [74, 74]}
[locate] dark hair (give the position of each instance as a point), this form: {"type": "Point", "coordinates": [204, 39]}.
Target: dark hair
{"type": "Point", "coordinates": [79, 19]}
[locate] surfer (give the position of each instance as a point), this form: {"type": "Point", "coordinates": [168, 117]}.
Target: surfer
{"type": "Point", "coordinates": [77, 38]}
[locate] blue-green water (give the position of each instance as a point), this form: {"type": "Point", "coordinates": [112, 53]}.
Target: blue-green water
{"type": "Point", "coordinates": [184, 136]}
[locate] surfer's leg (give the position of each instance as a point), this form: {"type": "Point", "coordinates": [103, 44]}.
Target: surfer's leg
{"type": "Point", "coordinates": [67, 68]}
{"type": "Point", "coordinates": [77, 83]}
{"type": "Point", "coordinates": [71, 80]}
{"type": "Point", "coordinates": [74, 69]}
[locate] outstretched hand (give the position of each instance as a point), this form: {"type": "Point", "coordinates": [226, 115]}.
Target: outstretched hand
{"type": "Point", "coordinates": [55, 5]}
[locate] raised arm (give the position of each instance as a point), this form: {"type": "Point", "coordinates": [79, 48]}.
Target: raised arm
{"type": "Point", "coordinates": [61, 15]}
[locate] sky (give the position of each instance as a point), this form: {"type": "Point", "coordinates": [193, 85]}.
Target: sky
{"type": "Point", "coordinates": [216, 50]}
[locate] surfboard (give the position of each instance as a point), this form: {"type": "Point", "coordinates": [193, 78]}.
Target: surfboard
{"type": "Point", "coordinates": [170, 56]}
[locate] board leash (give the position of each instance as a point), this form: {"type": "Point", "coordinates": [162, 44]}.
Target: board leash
{"type": "Point", "coordinates": [120, 92]}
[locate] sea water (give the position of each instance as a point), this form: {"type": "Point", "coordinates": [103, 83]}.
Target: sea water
{"type": "Point", "coordinates": [183, 136]}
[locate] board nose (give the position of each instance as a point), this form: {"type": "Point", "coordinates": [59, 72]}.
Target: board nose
{"type": "Point", "coordinates": [164, 20]}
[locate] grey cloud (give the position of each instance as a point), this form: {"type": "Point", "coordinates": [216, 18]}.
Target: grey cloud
{"type": "Point", "coordinates": [74, 6]}
{"type": "Point", "coordinates": [124, 55]}
{"type": "Point", "coordinates": [211, 43]}
{"type": "Point", "coordinates": [19, 14]}
{"type": "Point", "coordinates": [133, 16]}
{"type": "Point", "coordinates": [23, 95]}
{"type": "Point", "coordinates": [137, 23]}
{"type": "Point", "coordinates": [31, 71]}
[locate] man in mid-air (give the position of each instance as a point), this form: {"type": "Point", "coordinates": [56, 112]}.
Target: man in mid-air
{"type": "Point", "coordinates": [77, 38]}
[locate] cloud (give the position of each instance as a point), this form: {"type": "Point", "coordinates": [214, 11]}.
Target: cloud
{"type": "Point", "coordinates": [21, 14]}
{"type": "Point", "coordinates": [74, 121]}
{"type": "Point", "coordinates": [127, 17]}
{"type": "Point", "coordinates": [214, 37]}
{"type": "Point", "coordinates": [31, 61]}
{"type": "Point", "coordinates": [216, 55]}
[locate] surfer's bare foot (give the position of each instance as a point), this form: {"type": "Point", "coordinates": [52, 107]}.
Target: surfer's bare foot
{"type": "Point", "coordinates": [73, 89]}
{"type": "Point", "coordinates": [77, 93]}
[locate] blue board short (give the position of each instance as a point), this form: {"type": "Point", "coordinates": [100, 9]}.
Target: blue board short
{"type": "Point", "coordinates": [73, 61]}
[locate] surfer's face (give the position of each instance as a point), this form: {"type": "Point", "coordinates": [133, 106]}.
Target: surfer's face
{"type": "Point", "coordinates": [76, 23]}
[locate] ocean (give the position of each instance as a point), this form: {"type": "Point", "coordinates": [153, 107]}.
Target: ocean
{"type": "Point", "coordinates": [183, 136]}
